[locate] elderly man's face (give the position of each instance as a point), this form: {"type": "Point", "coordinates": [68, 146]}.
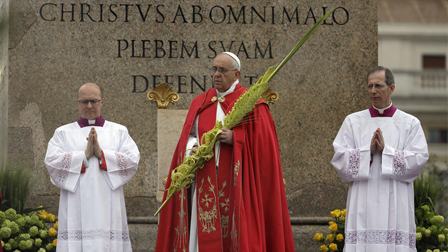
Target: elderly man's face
{"type": "Point", "coordinates": [379, 92]}
{"type": "Point", "coordinates": [90, 101]}
{"type": "Point", "coordinates": [225, 74]}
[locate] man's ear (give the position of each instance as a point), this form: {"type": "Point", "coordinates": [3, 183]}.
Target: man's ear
{"type": "Point", "coordinates": [237, 75]}
{"type": "Point", "coordinates": [392, 88]}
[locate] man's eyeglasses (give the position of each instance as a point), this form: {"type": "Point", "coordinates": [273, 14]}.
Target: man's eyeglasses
{"type": "Point", "coordinates": [377, 86]}
{"type": "Point", "coordinates": [222, 70]}
{"type": "Point", "coordinates": [86, 102]}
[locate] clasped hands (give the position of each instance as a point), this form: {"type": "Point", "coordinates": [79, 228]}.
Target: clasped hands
{"type": "Point", "coordinates": [93, 147]}
{"type": "Point", "coordinates": [226, 136]}
{"type": "Point", "coordinates": [377, 143]}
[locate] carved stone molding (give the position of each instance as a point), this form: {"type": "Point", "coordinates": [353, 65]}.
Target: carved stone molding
{"type": "Point", "coordinates": [163, 94]}
{"type": "Point", "coordinates": [270, 96]}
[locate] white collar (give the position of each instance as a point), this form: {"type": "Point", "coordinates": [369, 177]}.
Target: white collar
{"type": "Point", "coordinates": [381, 111]}
{"type": "Point", "coordinates": [230, 90]}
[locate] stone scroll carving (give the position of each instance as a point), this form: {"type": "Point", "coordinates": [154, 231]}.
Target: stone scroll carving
{"type": "Point", "coordinates": [270, 96]}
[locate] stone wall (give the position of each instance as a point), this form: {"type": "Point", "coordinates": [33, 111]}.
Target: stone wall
{"type": "Point", "coordinates": [4, 38]}
{"type": "Point", "coordinates": [129, 47]}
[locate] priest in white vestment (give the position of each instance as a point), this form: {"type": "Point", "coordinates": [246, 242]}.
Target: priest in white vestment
{"type": "Point", "coordinates": [380, 151]}
{"type": "Point", "coordinates": [91, 160]}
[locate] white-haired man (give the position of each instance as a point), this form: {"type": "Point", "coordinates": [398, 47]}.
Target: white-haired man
{"type": "Point", "coordinates": [237, 202]}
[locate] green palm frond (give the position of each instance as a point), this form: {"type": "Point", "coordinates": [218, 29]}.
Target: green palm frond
{"type": "Point", "coordinates": [182, 176]}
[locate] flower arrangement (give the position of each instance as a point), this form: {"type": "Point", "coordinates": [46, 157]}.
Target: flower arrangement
{"type": "Point", "coordinates": [431, 234]}
{"type": "Point", "coordinates": [335, 240]}
{"type": "Point", "coordinates": [34, 232]}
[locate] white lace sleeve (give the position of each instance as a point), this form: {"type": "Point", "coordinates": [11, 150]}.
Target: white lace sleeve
{"type": "Point", "coordinates": [64, 166]}
{"type": "Point", "coordinates": [122, 163]}
{"type": "Point", "coordinates": [350, 161]}
{"type": "Point", "coordinates": [405, 164]}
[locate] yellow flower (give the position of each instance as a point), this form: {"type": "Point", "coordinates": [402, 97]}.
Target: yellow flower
{"type": "Point", "coordinates": [56, 224]}
{"type": "Point", "coordinates": [343, 217]}
{"type": "Point", "coordinates": [55, 241]}
{"type": "Point", "coordinates": [333, 214]}
{"type": "Point", "coordinates": [318, 237]}
{"type": "Point", "coordinates": [336, 213]}
{"type": "Point", "coordinates": [52, 232]}
{"type": "Point", "coordinates": [331, 223]}
{"type": "Point", "coordinates": [340, 237]}
{"type": "Point", "coordinates": [324, 248]}
{"type": "Point", "coordinates": [330, 238]}
{"type": "Point", "coordinates": [333, 247]}
{"type": "Point", "coordinates": [344, 211]}
{"type": "Point", "coordinates": [51, 218]}
{"type": "Point", "coordinates": [43, 215]}
{"type": "Point", "coordinates": [334, 227]}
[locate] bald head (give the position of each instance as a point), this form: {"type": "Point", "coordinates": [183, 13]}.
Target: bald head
{"type": "Point", "coordinates": [90, 100]}
{"type": "Point", "coordinates": [90, 85]}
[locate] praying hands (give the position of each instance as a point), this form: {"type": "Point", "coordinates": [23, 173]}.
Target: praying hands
{"type": "Point", "coordinates": [93, 147]}
{"type": "Point", "coordinates": [377, 142]}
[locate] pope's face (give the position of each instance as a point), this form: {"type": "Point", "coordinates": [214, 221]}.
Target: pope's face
{"type": "Point", "coordinates": [92, 94]}
{"type": "Point", "coordinates": [379, 92]}
{"type": "Point", "coordinates": [225, 74]}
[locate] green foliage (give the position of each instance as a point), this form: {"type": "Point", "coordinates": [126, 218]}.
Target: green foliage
{"type": "Point", "coordinates": [15, 185]}
{"type": "Point", "coordinates": [32, 232]}
{"type": "Point", "coordinates": [426, 190]}
{"type": "Point", "coordinates": [440, 171]}
{"type": "Point", "coordinates": [429, 188]}
{"type": "Point", "coordinates": [432, 233]}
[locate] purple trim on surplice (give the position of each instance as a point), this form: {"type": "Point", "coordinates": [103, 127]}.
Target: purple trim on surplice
{"type": "Point", "coordinates": [84, 122]}
{"type": "Point", "coordinates": [387, 113]}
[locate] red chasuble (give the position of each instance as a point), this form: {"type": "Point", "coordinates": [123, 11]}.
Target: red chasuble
{"type": "Point", "coordinates": [242, 205]}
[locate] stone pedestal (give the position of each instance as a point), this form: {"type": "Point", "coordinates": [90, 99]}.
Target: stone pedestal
{"type": "Point", "coordinates": [169, 127]}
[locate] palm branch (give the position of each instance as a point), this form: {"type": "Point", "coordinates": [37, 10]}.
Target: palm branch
{"type": "Point", "coordinates": [182, 176]}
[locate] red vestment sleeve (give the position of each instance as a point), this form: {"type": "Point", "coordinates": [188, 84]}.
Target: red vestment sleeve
{"type": "Point", "coordinates": [103, 165]}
